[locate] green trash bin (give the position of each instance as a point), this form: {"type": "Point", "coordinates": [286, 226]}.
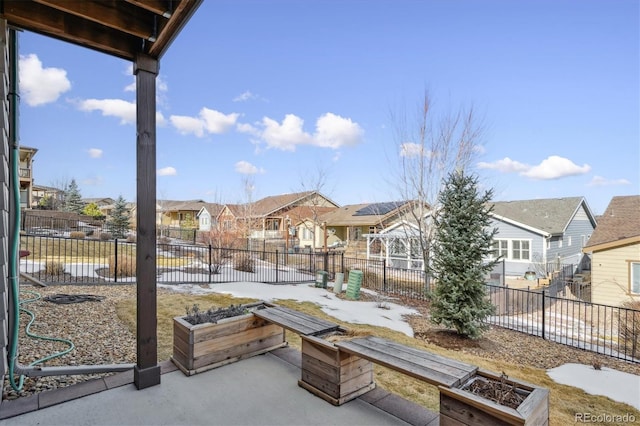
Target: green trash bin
{"type": "Point", "coordinates": [354, 283]}
{"type": "Point", "coordinates": [321, 279]}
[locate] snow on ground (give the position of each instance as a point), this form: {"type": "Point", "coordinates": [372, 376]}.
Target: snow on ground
{"type": "Point", "coordinates": [345, 310]}
{"type": "Point", "coordinates": [619, 386]}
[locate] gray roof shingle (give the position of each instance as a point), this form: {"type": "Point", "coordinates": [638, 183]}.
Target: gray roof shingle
{"type": "Point", "coordinates": [549, 215]}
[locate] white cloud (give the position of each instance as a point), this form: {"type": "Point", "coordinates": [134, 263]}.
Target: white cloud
{"type": "Point", "coordinates": [245, 96]}
{"type": "Point", "coordinates": [95, 153]}
{"type": "Point", "coordinates": [124, 110]}
{"type": "Point", "coordinates": [555, 167]}
{"type": "Point", "coordinates": [208, 120]}
{"type": "Point", "coordinates": [246, 168]}
{"type": "Point", "coordinates": [284, 136]}
{"type": "Point", "coordinates": [552, 167]}
{"type": "Point", "coordinates": [506, 165]}
{"type": "Point", "coordinates": [217, 122]}
{"type": "Point", "coordinates": [186, 125]}
{"type": "Point", "coordinates": [247, 128]}
{"type": "Point", "coordinates": [332, 131]}
{"type": "Point", "coordinates": [39, 85]}
{"type": "Point", "coordinates": [601, 181]}
{"type": "Point", "coordinates": [167, 171]}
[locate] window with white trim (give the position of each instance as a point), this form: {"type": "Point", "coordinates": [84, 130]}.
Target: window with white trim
{"type": "Point", "coordinates": [500, 248]}
{"type": "Point", "coordinates": [635, 277]}
{"type": "Point", "coordinates": [520, 250]}
{"type": "Point", "coordinates": [559, 242]}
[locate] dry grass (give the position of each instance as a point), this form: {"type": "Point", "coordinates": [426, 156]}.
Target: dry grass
{"type": "Point", "coordinates": [565, 401]}
{"type": "Point", "coordinates": [124, 267]}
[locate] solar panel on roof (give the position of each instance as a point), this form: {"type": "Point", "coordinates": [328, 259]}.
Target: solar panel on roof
{"type": "Point", "coordinates": [378, 208]}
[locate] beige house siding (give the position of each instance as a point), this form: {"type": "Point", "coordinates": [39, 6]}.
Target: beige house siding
{"type": "Point", "coordinates": [611, 274]}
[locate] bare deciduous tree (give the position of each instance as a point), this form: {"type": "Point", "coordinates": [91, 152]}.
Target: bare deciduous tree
{"type": "Point", "coordinates": [314, 182]}
{"type": "Point", "coordinates": [430, 145]}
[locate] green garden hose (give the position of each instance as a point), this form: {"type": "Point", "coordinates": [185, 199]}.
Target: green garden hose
{"type": "Point", "coordinates": [36, 297]}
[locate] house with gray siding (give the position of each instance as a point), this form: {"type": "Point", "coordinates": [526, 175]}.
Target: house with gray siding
{"type": "Point", "coordinates": [535, 233]}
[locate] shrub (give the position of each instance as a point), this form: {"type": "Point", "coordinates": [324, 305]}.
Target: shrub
{"type": "Point", "coordinates": [629, 328]}
{"type": "Point", "coordinates": [131, 238]}
{"type": "Point", "coordinates": [126, 266]}
{"type": "Point", "coordinates": [77, 235]}
{"type": "Point", "coordinates": [105, 236]}
{"type": "Point", "coordinates": [53, 267]}
{"type": "Point", "coordinates": [244, 262]}
{"type": "Point", "coordinates": [217, 260]}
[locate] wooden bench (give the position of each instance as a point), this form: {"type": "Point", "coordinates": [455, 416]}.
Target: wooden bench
{"type": "Point", "coordinates": [429, 367]}
{"type": "Point", "coordinates": [295, 321]}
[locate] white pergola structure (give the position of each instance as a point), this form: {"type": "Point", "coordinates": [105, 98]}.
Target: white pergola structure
{"type": "Point", "coordinates": [398, 245]}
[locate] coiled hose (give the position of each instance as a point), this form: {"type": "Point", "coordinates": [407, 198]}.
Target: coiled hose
{"type": "Point", "coordinates": [36, 296]}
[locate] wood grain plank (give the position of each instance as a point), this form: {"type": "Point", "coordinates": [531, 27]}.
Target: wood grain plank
{"type": "Point", "coordinates": [410, 361]}
{"type": "Point", "coordinates": [297, 322]}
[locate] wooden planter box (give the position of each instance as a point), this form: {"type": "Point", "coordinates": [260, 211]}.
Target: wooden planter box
{"type": "Point", "coordinates": [331, 374]}
{"type": "Point", "coordinates": [461, 407]}
{"type": "Point", "coordinates": [201, 347]}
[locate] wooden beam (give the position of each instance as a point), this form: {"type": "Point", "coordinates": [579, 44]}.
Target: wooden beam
{"type": "Point", "coordinates": [42, 19]}
{"type": "Point", "coordinates": [181, 15]}
{"type": "Point", "coordinates": [159, 7]}
{"type": "Point", "coordinates": [117, 15]}
{"type": "Point", "coordinates": [147, 370]}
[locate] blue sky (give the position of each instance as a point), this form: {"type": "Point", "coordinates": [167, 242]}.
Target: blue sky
{"type": "Point", "coordinates": [277, 91]}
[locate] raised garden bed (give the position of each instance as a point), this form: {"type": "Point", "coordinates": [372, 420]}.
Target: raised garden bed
{"type": "Point", "coordinates": [201, 347]}
{"type": "Point", "coordinates": [335, 376]}
{"type": "Point", "coordinates": [489, 398]}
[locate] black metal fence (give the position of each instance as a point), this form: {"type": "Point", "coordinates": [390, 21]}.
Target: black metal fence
{"type": "Point", "coordinates": [608, 330]}
{"type": "Point", "coordinates": [69, 260]}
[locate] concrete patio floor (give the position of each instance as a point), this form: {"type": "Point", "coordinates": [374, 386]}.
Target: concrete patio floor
{"type": "Point", "coordinates": [262, 390]}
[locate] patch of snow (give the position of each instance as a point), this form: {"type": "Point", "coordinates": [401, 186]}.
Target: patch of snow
{"type": "Point", "coordinates": [617, 385]}
{"type": "Point", "coordinates": [345, 310]}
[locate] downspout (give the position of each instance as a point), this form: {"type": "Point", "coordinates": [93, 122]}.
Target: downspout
{"type": "Point", "coordinates": [14, 240]}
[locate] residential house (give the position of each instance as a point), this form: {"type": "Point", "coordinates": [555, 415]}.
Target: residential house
{"type": "Point", "coordinates": [533, 234]}
{"type": "Point", "coordinates": [178, 214]}
{"type": "Point", "coordinates": [207, 216]}
{"type": "Point", "coordinates": [47, 197]}
{"type": "Point", "coordinates": [278, 217]}
{"type": "Point", "coordinates": [25, 175]}
{"type": "Point", "coordinates": [100, 202]}
{"type": "Point", "coordinates": [615, 253]}
{"type": "Point", "coordinates": [349, 225]}
{"type": "Point", "coordinates": [107, 209]}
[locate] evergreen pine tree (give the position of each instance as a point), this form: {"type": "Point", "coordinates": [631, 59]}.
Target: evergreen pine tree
{"type": "Point", "coordinates": [118, 223]}
{"type": "Point", "coordinates": [459, 263]}
{"type": "Point", "coordinates": [73, 199]}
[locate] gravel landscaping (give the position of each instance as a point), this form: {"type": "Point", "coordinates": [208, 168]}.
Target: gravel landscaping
{"type": "Point", "coordinates": [101, 338]}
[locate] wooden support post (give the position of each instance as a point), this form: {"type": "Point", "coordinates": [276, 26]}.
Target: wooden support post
{"type": "Point", "coordinates": [147, 370]}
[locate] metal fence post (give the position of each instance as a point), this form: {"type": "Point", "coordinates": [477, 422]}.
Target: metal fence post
{"type": "Point", "coordinates": [384, 275]}
{"type": "Point", "coordinates": [115, 269]}
{"type": "Point", "coordinates": [210, 262]}
{"type": "Point", "coordinates": [277, 266]}
{"type": "Point", "coordinates": [543, 315]}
